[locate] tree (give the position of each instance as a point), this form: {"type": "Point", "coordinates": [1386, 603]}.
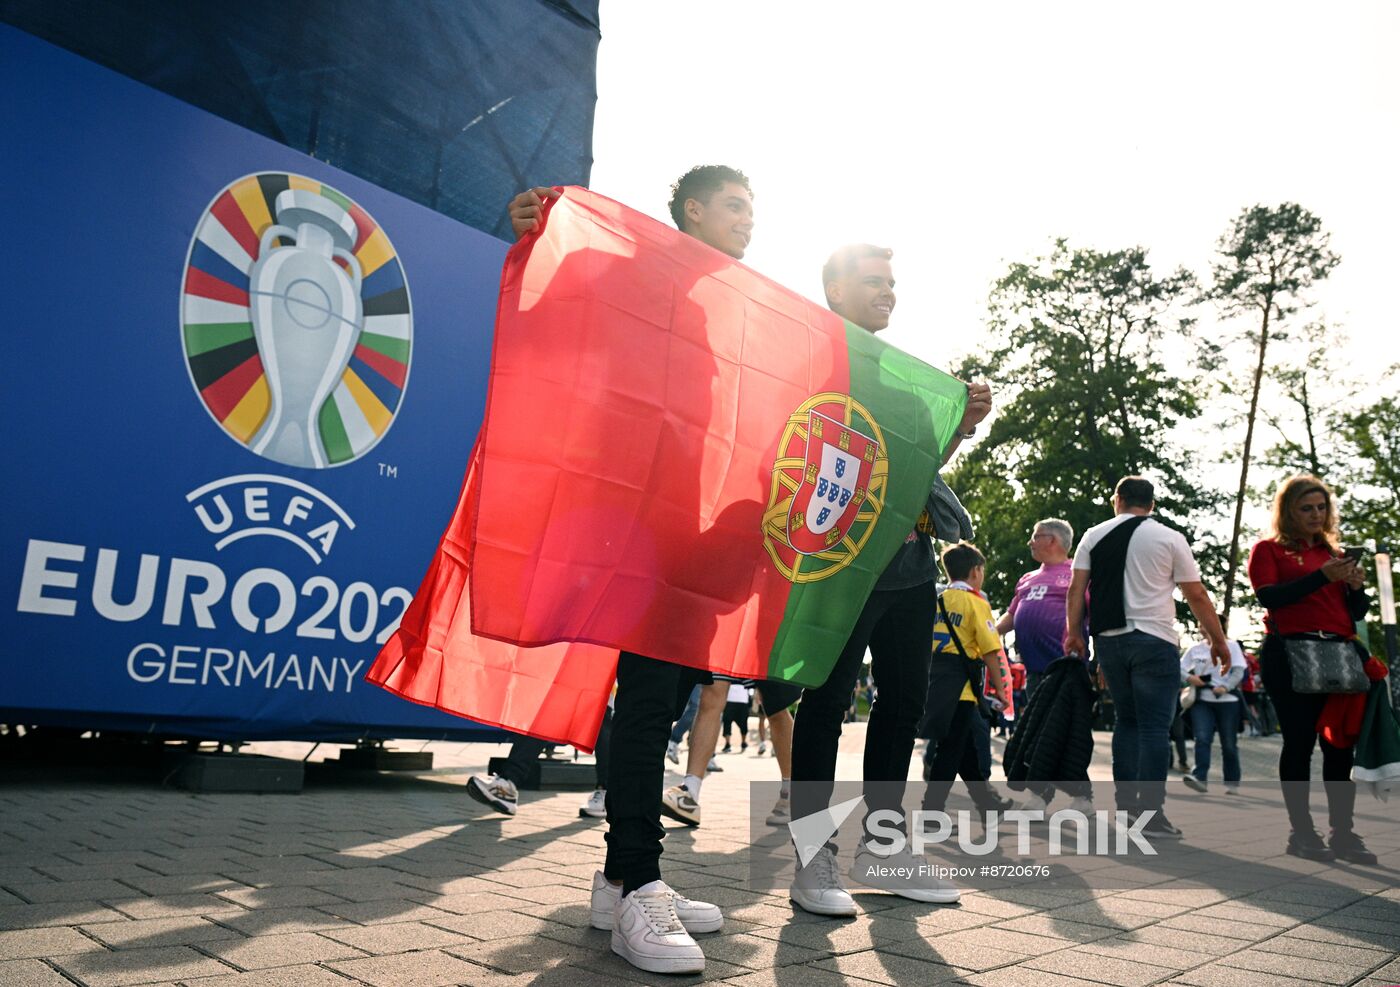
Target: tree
{"type": "Point", "coordinates": [1311, 387]}
{"type": "Point", "coordinates": [1083, 396]}
{"type": "Point", "coordinates": [1265, 261]}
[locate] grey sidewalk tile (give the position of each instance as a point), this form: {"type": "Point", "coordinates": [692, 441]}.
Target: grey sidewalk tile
{"type": "Point", "coordinates": [887, 968]}
{"type": "Point", "coordinates": [1002, 940]}
{"type": "Point", "coordinates": [1318, 971]}
{"type": "Point", "coordinates": [194, 883]}
{"type": "Point", "coordinates": [1058, 928]}
{"type": "Point", "coordinates": [950, 950]}
{"type": "Point", "coordinates": [475, 902]}
{"type": "Point", "coordinates": [276, 921]}
{"type": "Point", "coordinates": [1178, 956]}
{"type": "Point", "coordinates": [399, 937]}
{"type": "Point", "coordinates": [1218, 975]}
{"type": "Point", "coordinates": [603, 962]}
{"type": "Point", "coordinates": [1367, 940]}
{"type": "Point", "coordinates": [279, 897]}
{"type": "Point", "coordinates": [89, 872]}
{"type": "Point", "coordinates": [383, 910]}
{"type": "Point", "coordinates": [523, 954]}
{"type": "Point", "coordinates": [30, 943]}
{"type": "Point", "coordinates": [1327, 952]}
{"type": "Point", "coordinates": [6, 898]}
{"type": "Point", "coordinates": [428, 969]}
{"type": "Point", "coordinates": [52, 891]}
{"type": "Point", "coordinates": [367, 891]}
{"type": "Point", "coordinates": [58, 913]}
{"type": "Point", "coordinates": [1231, 929]}
{"type": "Point", "coordinates": [301, 975]}
{"type": "Point", "coordinates": [792, 976]}
{"type": "Point", "coordinates": [1202, 942]}
{"type": "Point", "coordinates": [141, 933]}
{"type": "Point", "coordinates": [136, 966]}
{"type": "Point", "coordinates": [287, 949]}
{"type": "Point", "coordinates": [1020, 976]}
{"type": "Point", "coordinates": [172, 905]}
{"type": "Point", "coordinates": [1390, 971]}
{"type": "Point", "coordinates": [496, 925]}
{"type": "Point", "coordinates": [757, 952]}
{"type": "Point", "coordinates": [1101, 969]}
{"type": "Point", "coordinates": [30, 973]}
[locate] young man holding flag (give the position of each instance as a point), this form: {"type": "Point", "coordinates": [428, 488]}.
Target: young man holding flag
{"type": "Point", "coordinates": [652, 924]}
{"type": "Point", "coordinates": [897, 626]}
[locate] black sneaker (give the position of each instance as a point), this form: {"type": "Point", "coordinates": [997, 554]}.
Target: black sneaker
{"type": "Point", "coordinates": [1308, 845]}
{"type": "Point", "coordinates": [1159, 826]}
{"type": "Point", "coordinates": [1346, 845]}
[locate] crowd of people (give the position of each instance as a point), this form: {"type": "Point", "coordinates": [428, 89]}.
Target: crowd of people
{"type": "Point", "coordinates": [938, 670]}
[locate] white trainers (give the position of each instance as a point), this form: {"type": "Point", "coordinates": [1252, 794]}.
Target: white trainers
{"type": "Point", "coordinates": [673, 752]}
{"type": "Point", "coordinates": [648, 933]}
{"type": "Point", "coordinates": [1232, 789]}
{"type": "Point", "coordinates": [713, 767]}
{"type": "Point", "coordinates": [1035, 803]}
{"type": "Point", "coordinates": [1083, 804]}
{"type": "Point", "coordinates": [498, 793]}
{"type": "Point", "coordinates": [696, 916]}
{"type": "Point", "coordinates": [903, 874]}
{"type": "Point", "coordinates": [597, 805]}
{"type": "Point", "coordinates": [763, 748]}
{"type": "Point", "coordinates": [1194, 783]}
{"type": "Point", "coordinates": [679, 804]}
{"type": "Point", "coordinates": [817, 887]}
{"type": "Point", "coordinates": [782, 812]}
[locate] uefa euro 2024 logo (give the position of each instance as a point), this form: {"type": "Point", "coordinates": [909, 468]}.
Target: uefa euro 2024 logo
{"type": "Point", "coordinates": [296, 319]}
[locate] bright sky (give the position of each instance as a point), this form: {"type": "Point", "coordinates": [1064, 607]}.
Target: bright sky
{"type": "Point", "coordinates": [969, 135]}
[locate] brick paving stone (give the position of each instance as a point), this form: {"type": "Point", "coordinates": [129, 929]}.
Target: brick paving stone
{"type": "Point", "coordinates": [288, 949]}
{"type": "Point", "coordinates": [1020, 976]}
{"type": "Point", "coordinates": [474, 902]}
{"type": "Point", "coordinates": [301, 975]}
{"type": "Point", "coordinates": [1101, 969]}
{"type": "Point", "coordinates": [951, 951]}
{"type": "Point", "coordinates": [523, 954]}
{"type": "Point", "coordinates": [30, 973]}
{"type": "Point", "coordinates": [58, 913]}
{"type": "Point", "coordinates": [886, 968]}
{"type": "Point", "coordinates": [1201, 942]}
{"type": "Point", "coordinates": [54, 891]}
{"type": "Point", "coordinates": [1327, 952]}
{"type": "Point", "coordinates": [496, 925]}
{"type": "Point", "coordinates": [427, 969]}
{"type": "Point", "coordinates": [1002, 940]}
{"type": "Point", "coordinates": [1169, 956]}
{"type": "Point", "coordinates": [275, 921]}
{"type": "Point", "coordinates": [757, 952]}
{"type": "Point", "coordinates": [1346, 937]}
{"type": "Point", "coordinates": [1057, 928]}
{"type": "Point", "coordinates": [162, 884]}
{"type": "Point", "coordinates": [141, 933]}
{"type": "Point", "coordinates": [279, 897]}
{"type": "Point", "coordinates": [395, 937]}
{"type": "Point", "coordinates": [171, 905]}
{"type": "Point", "coordinates": [30, 943]}
{"type": "Point", "coordinates": [1246, 931]}
{"type": "Point", "coordinates": [791, 976]}
{"type": "Point", "coordinates": [1318, 971]}
{"type": "Point", "coordinates": [137, 966]}
{"type": "Point", "coordinates": [834, 937]}
{"type": "Point", "coordinates": [1218, 975]}
{"type": "Point", "coordinates": [383, 910]}
{"type": "Point", "coordinates": [605, 963]}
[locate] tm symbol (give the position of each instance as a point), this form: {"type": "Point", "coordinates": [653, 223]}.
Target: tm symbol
{"type": "Point", "coordinates": [390, 471]}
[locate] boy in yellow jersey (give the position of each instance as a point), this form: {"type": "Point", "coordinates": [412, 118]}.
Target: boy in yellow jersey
{"type": "Point", "coordinates": [965, 640]}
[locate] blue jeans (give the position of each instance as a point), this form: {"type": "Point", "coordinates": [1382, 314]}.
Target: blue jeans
{"type": "Point", "coordinates": [692, 706]}
{"type": "Point", "coordinates": [1143, 673]}
{"type": "Point", "coordinates": [1206, 720]}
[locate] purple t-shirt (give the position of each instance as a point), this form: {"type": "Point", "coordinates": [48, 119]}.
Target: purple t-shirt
{"type": "Point", "coordinates": [1038, 609]}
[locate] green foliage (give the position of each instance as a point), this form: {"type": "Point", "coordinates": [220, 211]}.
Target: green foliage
{"type": "Point", "coordinates": [1083, 397]}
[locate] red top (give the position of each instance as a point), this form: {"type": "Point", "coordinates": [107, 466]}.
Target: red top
{"type": "Point", "coordinates": [1271, 563]}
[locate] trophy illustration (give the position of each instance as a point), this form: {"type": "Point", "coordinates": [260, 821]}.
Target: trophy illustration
{"type": "Point", "coordinates": [307, 316]}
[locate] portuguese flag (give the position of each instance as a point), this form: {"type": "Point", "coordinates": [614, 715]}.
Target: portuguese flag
{"type": "Point", "coordinates": [680, 458]}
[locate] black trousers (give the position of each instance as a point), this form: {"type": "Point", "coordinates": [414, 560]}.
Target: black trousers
{"type": "Point", "coordinates": [651, 694]}
{"type": "Point", "coordinates": [526, 750]}
{"type": "Point", "coordinates": [1297, 716]}
{"type": "Point", "coordinates": [736, 714]}
{"type": "Point", "coordinates": [897, 627]}
{"type": "Point", "coordinates": [956, 753]}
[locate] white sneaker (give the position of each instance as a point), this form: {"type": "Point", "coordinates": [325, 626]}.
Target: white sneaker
{"type": "Point", "coordinates": [673, 752]}
{"type": "Point", "coordinates": [763, 748]}
{"type": "Point", "coordinates": [1083, 804]}
{"type": "Point", "coordinates": [713, 766]}
{"type": "Point", "coordinates": [498, 793]}
{"type": "Point", "coordinates": [817, 887]}
{"type": "Point", "coordinates": [597, 806]}
{"type": "Point", "coordinates": [782, 812]}
{"type": "Point", "coordinates": [679, 804]}
{"type": "Point", "coordinates": [648, 933]}
{"type": "Point", "coordinates": [696, 916]}
{"type": "Point", "coordinates": [913, 880]}
{"type": "Point", "coordinates": [1194, 783]}
{"type": "Point", "coordinates": [1232, 789]}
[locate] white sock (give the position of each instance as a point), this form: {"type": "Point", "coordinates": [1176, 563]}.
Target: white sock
{"type": "Point", "coordinates": [692, 785]}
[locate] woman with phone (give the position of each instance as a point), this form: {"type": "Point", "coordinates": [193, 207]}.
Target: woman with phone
{"type": "Point", "coordinates": [1308, 586]}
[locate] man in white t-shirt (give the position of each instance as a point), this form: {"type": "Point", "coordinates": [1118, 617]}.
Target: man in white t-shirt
{"type": "Point", "coordinates": [1131, 565]}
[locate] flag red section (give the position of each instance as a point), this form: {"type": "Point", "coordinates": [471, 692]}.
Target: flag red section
{"type": "Point", "coordinates": [556, 693]}
{"type": "Point", "coordinates": [640, 383]}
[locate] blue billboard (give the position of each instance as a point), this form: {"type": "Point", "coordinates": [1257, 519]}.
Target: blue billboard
{"type": "Point", "coordinates": [244, 387]}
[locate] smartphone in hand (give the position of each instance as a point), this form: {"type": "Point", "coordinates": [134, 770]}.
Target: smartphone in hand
{"type": "Point", "coordinates": [1353, 553]}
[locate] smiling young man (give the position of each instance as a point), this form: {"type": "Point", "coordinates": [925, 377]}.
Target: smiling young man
{"type": "Point", "coordinates": [652, 924]}
{"type": "Point", "coordinates": [897, 626]}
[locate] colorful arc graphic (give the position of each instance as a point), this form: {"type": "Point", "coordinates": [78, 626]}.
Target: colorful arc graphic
{"type": "Point", "coordinates": [222, 338]}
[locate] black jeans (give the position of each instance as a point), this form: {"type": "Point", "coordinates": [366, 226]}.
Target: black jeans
{"type": "Point", "coordinates": [651, 694]}
{"type": "Point", "coordinates": [897, 626]}
{"type": "Point", "coordinates": [526, 750]}
{"type": "Point", "coordinates": [955, 753]}
{"type": "Point", "coordinates": [1297, 717]}
{"type": "Point", "coordinates": [735, 714]}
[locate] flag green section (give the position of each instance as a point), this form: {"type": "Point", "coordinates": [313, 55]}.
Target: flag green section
{"type": "Point", "coordinates": [918, 410]}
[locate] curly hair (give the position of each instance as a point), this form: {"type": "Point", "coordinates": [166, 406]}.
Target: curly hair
{"type": "Point", "coordinates": [700, 183]}
{"type": "Point", "coordinates": [1292, 490]}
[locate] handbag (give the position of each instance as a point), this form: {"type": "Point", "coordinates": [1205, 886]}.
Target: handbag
{"type": "Point", "coordinates": [1325, 663]}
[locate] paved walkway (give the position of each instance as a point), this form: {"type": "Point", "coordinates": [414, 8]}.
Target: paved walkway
{"type": "Point", "coordinates": [108, 879]}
